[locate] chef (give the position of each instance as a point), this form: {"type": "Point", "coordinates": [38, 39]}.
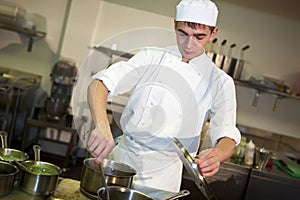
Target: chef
{"type": "Point", "coordinates": [174, 91]}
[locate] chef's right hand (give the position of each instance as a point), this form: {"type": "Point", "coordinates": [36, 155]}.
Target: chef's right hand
{"type": "Point", "coordinates": [100, 142]}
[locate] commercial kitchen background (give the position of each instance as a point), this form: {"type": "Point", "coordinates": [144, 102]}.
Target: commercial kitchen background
{"type": "Point", "coordinates": [74, 25]}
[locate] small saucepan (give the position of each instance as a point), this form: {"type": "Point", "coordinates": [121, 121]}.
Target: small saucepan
{"type": "Point", "coordinates": [10, 155]}
{"type": "Point", "coordinates": [122, 193]}
{"type": "Point", "coordinates": [115, 173]}
{"type": "Point", "coordinates": [8, 173]}
{"type": "Point", "coordinates": [37, 177]}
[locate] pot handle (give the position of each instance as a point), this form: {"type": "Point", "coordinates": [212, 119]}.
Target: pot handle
{"type": "Point", "coordinates": [36, 150]}
{"type": "Point", "coordinates": [3, 136]}
{"type": "Point", "coordinates": [177, 195]}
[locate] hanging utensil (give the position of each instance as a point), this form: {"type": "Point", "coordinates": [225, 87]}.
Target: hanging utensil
{"type": "Point", "coordinates": [236, 66]}
{"type": "Point", "coordinates": [193, 170]}
{"type": "Point", "coordinates": [228, 59]}
{"type": "Point", "coordinates": [255, 99]}
{"type": "Point", "coordinates": [276, 103]}
{"type": "Point", "coordinates": [220, 56]}
{"type": "Point", "coordinates": [211, 51]}
{"type": "Point", "coordinates": [243, 50]}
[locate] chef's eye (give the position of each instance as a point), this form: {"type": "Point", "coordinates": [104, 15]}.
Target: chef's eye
{"type": "Point", "coordinates": [199, 38]}
{"type": "Point", "coordinates": [182, 33]}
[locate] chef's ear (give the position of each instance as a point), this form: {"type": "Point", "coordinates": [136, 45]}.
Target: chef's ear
{"type": "Point", "coordinates": [213, 33]}
{"type": "Point", "coordinates": [175, 24]}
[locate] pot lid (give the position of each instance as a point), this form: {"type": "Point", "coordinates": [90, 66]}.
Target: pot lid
{"type": "Point", "coordinates": [193, 170]}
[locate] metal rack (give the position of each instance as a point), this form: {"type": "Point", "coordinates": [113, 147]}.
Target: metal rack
{"type": "Point", "coordinates": [13, 89]}
{"type": "Point", "coordinates": [279, 94]}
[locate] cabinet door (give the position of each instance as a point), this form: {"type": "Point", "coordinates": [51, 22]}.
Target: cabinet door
{"type": "Point", "coordinates": [261, 188]}
{"type": "Point", "coordinates": [228, 184]}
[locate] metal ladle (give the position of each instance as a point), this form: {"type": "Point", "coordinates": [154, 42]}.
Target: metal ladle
{"type": "Point", "coordinates": [36, 150]}
{"type": "Point", "coordinates": [23, 167]}
{"type": "Point", "coordinates": [104, 182]}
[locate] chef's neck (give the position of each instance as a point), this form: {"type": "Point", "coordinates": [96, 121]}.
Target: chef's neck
{"type": "Point", "coordinates": [185, 60]}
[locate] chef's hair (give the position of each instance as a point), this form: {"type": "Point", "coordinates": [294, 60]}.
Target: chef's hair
{"type": "Point", "coordinates": [194, 25]}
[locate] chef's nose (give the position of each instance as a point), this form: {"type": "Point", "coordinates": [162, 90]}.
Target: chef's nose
{"type": "Point", "coordinates": [189, 41]}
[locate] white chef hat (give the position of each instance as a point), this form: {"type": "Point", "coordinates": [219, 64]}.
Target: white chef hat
{"type": "Point", "coordinates": [197, 11]}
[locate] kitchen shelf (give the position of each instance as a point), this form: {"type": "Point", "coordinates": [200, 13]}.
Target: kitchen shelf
{"type": "Point", "coordinates": [25, 31]}
{"type": "Point", "coordinates": [266, 90]}
{"type": "Point", "coordinates": [36, 136]}
{"type": "Point", "coordinates": [32, 34]}
{"type": "Point", "coordinates": [111, 52]}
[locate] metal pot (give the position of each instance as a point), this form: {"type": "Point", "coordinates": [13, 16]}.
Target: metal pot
{"type": "Point", "coordinates": [10, 155]}
{"type": "Point", "coordinates": [233, 67]}
{"type": "Point", "coordinates": [8, 173]}
{"type": "Point", "coordinates": [121, 193]}
{"type": "Point", "coordinates": [37, 177]}
{"type": "Point", "coordinates": [115, 173]}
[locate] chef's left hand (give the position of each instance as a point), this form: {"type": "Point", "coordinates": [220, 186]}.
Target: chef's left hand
{"type": "Point", "coordinates": [209, 163]}
{"type": "Point", "coordinates": [209, 160]}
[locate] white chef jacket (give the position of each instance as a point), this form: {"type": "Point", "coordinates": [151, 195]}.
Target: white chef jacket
{"type": "Point", "coordinates": [169, 98]}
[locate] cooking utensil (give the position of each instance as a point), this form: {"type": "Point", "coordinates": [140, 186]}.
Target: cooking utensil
{"type": "Point", "coordinates": [56, 108]}
{"type": "Point", "coordinates": [243, 50]}
{"type": "Point", "coordinates": [235, 66]}
{"type": "Point", "coordinates": [220, 56]}
{"type": "Point", "coordinates": [255, 99]}
{"type": "Point", "coordinates": [285, 166]}
{"type": "Point", "coordinates": [228, 59]}
{"type": "Point", "coordinates": [292, 169]}
{"type": "Point", "coordinates": [262, 156]}
{"type": "Point", "coordinates": [22, 166]}
{"type": "Point", "coordinates": [8, 173]}
{"type": "Point", "coordinates": [103, 182]}
{"type": "Point", "coordinates": [38, 178]}
{"type": "Point", "coordinates": [211, 52]}
{"type": "Point", "coordinates": [177, 195]}
{"type": "Point", "coordinates": [9, 155]}
{"type": "Point", "coordinates": [193, 170]}
{"type": "Point", "coordinates": [117, 192]}
{"type": "Point", "coordinates": [37, 152]}
{"type": "Point", "coordinates": [115, 173]}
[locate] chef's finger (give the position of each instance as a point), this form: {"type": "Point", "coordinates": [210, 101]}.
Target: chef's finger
{"type": "Point", "coordinates": [210, 173]}
{"type": "Point", "coordinates": [103, 153]}
{"type": "Point", "coordinates": [203, 153]}
{"type": "Point", "coordinates": [93, 144]}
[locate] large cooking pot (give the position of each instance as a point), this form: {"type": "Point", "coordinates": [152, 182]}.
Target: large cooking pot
{"type": "Point", "coordinates": [8, 173]}
{"type": "Point", "coordinates": [121, 193]}
{"type": "Point", "coordinates": [115, 173]}
{"type": "Point", "coordinates": [10, 155]}
{"type": "Point", "coordinates": [37, 177]}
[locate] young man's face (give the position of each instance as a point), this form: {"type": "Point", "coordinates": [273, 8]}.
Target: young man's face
{"type": "Point", "coordinates": [191, 42]}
